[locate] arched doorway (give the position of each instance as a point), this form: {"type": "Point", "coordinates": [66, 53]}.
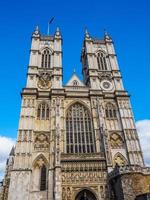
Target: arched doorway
{"type": "Point", "coordinates": [85, 195]}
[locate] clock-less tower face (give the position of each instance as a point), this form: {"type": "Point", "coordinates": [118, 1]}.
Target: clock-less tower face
{"type": "Point", "coordinates": [44, 80]}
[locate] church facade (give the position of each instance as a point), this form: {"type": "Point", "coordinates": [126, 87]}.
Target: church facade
{"type": "Point", "coordinates": [76, 141]}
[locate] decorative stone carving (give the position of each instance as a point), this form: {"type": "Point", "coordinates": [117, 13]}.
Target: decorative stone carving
{"type": "Point", "coordinates": [116, 141]}
{"type": "Point", "coordinates": [105, 76]}
{"type": "Point", "coordinates": [66, 193]}
{"type": "Point", "coordinates": [44, 81]}
{"type": "Point", "coordinates": [82, 177]}
{"type": "Point", "coordinates": [41, 142]}
{"type": "Point", "coordinates": [119, 160]}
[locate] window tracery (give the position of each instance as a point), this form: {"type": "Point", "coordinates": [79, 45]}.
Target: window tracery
{"type": "Point", "coordinates": [119, 160]}
{"type": "Point", "coordinates": [79, 130]}
{"type": "Point", "coordinates": [101, 61]}
{"type": "Point", "coordinates": [110, 111]}
{"type": "Point", "coordinates": [116, 141]}
{"type": "Point", "coordinates": [39, 174]}
{"type": "Point", "coordinates": [43, 111]}
{"type": "Point", "coordinates": [46, 59]}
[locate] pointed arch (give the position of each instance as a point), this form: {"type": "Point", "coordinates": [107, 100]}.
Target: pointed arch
{"type": "Point", "coordinates": [39, 173]}
{"type": "Point", "coordinates": [46, 55]}
{"type": "Point", "coordinates": [119, 160]}
{"type": "Point", "coordinates": [86, 193]}
{"type": "Point", "coordinates": [39, 160]}
{"type": "Point", "coordinates": [101, 60]}
{"type": "Point", "coordinates": [80, 137]}
{"type": "Point", "coordinates": [77, 101]}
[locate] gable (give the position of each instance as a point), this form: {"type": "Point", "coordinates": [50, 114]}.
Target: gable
{"type": "Point", "coordinates": [75, 81]}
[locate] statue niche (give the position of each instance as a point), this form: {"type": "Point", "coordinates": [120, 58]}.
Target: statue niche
{"type": "Point", "coordinates": [41, 142]}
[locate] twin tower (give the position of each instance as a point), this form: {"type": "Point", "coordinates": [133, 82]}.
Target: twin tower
{"type": "Point", "coordinates": [76, 141]}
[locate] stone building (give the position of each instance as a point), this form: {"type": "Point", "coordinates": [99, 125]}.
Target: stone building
{"type": "Point", "coordinates": [76, 141]}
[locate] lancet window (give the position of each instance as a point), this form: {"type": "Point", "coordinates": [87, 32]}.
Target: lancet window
{"type": "Point", "coordinates": [110, 111]}
{"type": "Point", "coordinates": [101, 61]}
{"type": "Point", "coordinates": [46, 59]}
{"type": "Point", "coordinates": [79, 130]}
{"type": "Point", "coordinates": [43, 178]}
{"type": "Point", "coordinates": [43, 111]}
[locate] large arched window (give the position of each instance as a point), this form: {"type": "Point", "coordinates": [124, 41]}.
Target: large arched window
{"type": "Point", "coordinates": [43, 178]}
{"type": "Point", "coordinates": [110, 111]}
{"type": "Point", "coordinates": [43, 111]}
{"type": "Point", "coordinates": [79, 130]}
{"type": "Point", "coordinates": [101, 61]}
{"type": "Point", "coordinates": [46, 59]}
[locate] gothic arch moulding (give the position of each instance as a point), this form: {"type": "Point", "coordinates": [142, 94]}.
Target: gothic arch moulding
{"type": "Point", "coordinates": [77, 101]}
{"type": "Point", "coordinates": [86, 193]}
{"type": "Point", "coordinates": [40, 160]}
{"type": "Point", "coordinates": [51, 51]}
{"type": "Point", "coordinates": [119, 160]}
{"type": "Point", "coordinates": [100, 50]}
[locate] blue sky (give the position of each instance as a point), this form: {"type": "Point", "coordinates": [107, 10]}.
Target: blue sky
{"type": "Point", "coordinates": [128, 22]}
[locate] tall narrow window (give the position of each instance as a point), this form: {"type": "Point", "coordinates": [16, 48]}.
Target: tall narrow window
{"type": "Point", "coordinates": [110, 111]}
{"type": "Point", "coordinates": [80, 136]}
{"type": "Point", "coordinates": [43, 178]}
{"type": "Point", "coordinates": [46, 59]}
{"type": "Point", "coordinates": [43, 111]}
{"type": "Point", "coordinates": [101, 61]}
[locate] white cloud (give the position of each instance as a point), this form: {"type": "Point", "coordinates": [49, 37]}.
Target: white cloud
{"type": "Point", "coordinates": [6, 144]}
{"type": "Point", "coordinates": [143, 128]}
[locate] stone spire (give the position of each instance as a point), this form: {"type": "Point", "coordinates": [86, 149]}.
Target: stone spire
{"type": "Point", "coordinates": [57, 33]}
{"type": "Point", "coordinates": [12, 152]}
{"type": "Point", "coordinates": [87, 33]}
{"type": "Point", "coordinates": [107, 37]}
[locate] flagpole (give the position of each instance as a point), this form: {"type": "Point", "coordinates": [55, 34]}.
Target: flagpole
{"type": "Point", "coordinates": [48, 29]}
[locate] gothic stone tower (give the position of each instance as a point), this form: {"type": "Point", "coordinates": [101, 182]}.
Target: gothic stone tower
{"type": "Point", "coordinates": [70, 137]}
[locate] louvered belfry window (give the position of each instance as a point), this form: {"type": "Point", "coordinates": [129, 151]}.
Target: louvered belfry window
{"type": "Point", "coordinates": [101, 60]}
{"type": "Point", "coordinates": [46, 59]}
{"type": "Point", "coordinates": [80, 136]}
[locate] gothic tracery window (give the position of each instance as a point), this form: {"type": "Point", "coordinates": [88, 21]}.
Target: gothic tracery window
{"type": "Point", "coordinates": [39, 175]}
{"type": "Point", "coordinates": [43, 111]}
{"type": "Point", "coordinates": [110, 111]}
{"type": "Point", "coordinates": [43, 178]}
{"type": "Point", "coordinates": [116, 141]}
{"type": "Point", "coordinates": [101, 61]}
{"type": "Point", "coordinates": [46, 59]}
{"type": "Point", "coordinates": [79, 130]}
